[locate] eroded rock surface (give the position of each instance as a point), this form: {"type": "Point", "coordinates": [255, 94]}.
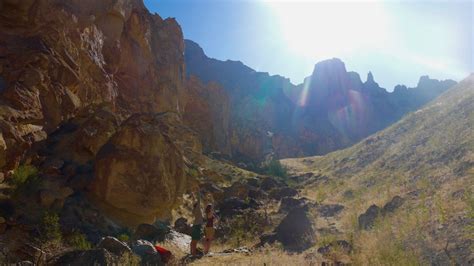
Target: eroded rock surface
{"type": "Point", "coordinates": [140, 170]}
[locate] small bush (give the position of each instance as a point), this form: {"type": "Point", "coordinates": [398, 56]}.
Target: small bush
{"type": "Point", "coordinates": [22, 174]}
{"type": "Point", "coordinates": [25, 180]}
{"type": "Point", "coordinates": [50, 230]}
{"type": "Point", "coordinates": [123, 237]}
{"type": "Point", "coordinates": [275, 168]}
{"type": "Point", "coordinates": [129, 259]}
{"type": "Point", "coordinates": [78, 241]}
{"type": "Point", "coordinates": [243, 228]}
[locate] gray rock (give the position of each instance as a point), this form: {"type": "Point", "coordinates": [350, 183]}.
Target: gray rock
{"type": "Point", "coordinates": [367, 220]}
{"type": "Point", "coordinates": [142, 247]}
{"type": "Point", "coordinates": [392, 205]}
{"type": "Point", "coordinates": [150, 232]}
{"type": "Point", "coordinates": [114, 245]}
{"type": "Point", "coordinates": [295, 231]}
{"type": "Point", "coordinates": [181, 225]}
{"type": "Point", "coordinates": [152, 259]}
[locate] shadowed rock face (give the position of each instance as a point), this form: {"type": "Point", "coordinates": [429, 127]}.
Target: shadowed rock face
{"type": "Point", "coordinates": [61, 62]}
{"type": "Point", "coordinates": [207, 111]}
{"type": "Point", "coordinates": [332, 109]}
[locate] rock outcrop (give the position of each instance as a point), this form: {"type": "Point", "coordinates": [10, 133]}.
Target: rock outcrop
{"type": "Point", "coordinates": [58, 57]}
{"type": "Point", "coordinates": [140, 170]}
{"type": "Point", "coordinates": [367, 220]}
{"type": "Point", "coordinates": [99, 87]}
{"type": "Point", "coordinates": [207, 111]}
{"type": "Point", "coordinates": [295, 231]}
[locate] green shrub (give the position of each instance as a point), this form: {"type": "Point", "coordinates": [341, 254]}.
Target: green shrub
{"type": "Point", "coordinates": [123, 237]}
{"type": "Point", "coordinates": [22, 174]}
{"type": "Point", "coordinates": [243, 228]}
{"type": "Point", "coordinates": [25, 180]}
{"type": "Point", "coordinates": [275, 168]}
{"type": "Point", "coordinates": [50, 230]}
{"type": "Point", "coordinates": [130, 260]}
{"type": "Point", "coordinates": [78, 241]}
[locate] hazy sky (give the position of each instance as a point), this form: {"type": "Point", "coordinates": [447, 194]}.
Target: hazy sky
{"type": "Point", "coordinates": [398, 41]}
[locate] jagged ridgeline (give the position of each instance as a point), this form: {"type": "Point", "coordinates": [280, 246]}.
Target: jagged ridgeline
{"type": "Point", "coordinates": [110, 120]}
{"type": "Point", "coordinates": [330, 110]}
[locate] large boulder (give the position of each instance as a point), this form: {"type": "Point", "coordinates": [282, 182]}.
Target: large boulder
{"type": "Point", "coordinates": [295, 231]}
{"type": "Point", "coordinates": [140, 171]}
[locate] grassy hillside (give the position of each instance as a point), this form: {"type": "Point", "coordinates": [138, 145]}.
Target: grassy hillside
{"type": "Point", "coordinates": [428, 159]}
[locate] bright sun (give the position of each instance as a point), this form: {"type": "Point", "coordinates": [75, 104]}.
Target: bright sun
{"type": "Point", "coordinates": [319, 30]}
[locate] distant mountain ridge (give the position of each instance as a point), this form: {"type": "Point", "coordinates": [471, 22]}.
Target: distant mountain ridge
{"type": "Point", "coordinates": [330, 110]}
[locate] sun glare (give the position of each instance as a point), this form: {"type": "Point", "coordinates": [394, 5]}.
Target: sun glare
{"type": "Point", "coordinates": [330, 29]}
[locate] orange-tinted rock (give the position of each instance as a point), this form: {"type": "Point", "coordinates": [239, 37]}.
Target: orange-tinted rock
{"type": "Point", "coordinates": [207, 111]}
{"type": "Point", "coordinates": [58, 57]}
{"type": "Point", "coordinates": [140, 171]}
{"type": "Point", "coordinates": [80, 138]}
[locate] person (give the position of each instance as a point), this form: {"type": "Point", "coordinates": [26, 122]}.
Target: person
{"type": "Point", "coordinates": [209, 230]}
{"type": "Point", "coordinates": [196, 233]}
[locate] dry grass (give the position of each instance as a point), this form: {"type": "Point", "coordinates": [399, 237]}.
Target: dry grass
{"type": "Point", "coordinates": [267, 256]}
{"type": "Point", "coordinates": [426, 158]}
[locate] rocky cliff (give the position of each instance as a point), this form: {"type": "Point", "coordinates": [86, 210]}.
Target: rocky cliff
{"type": "Point", "coordinates": [331, 109]}
{"type": "Point", "coordinates": [90, 85]}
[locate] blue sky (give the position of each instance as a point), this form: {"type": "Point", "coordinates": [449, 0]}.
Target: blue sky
{"type": "Point", "coordinates": [397, 41]}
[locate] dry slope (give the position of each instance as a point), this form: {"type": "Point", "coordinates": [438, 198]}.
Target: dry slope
{"type": "Point", "coordinates": [428, 159]}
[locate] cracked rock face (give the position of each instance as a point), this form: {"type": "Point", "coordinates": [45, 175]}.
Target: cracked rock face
{"type": "Point", "coordinates": [58, 57]}
{"type": "Point", "coordinates": [139, 171]}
